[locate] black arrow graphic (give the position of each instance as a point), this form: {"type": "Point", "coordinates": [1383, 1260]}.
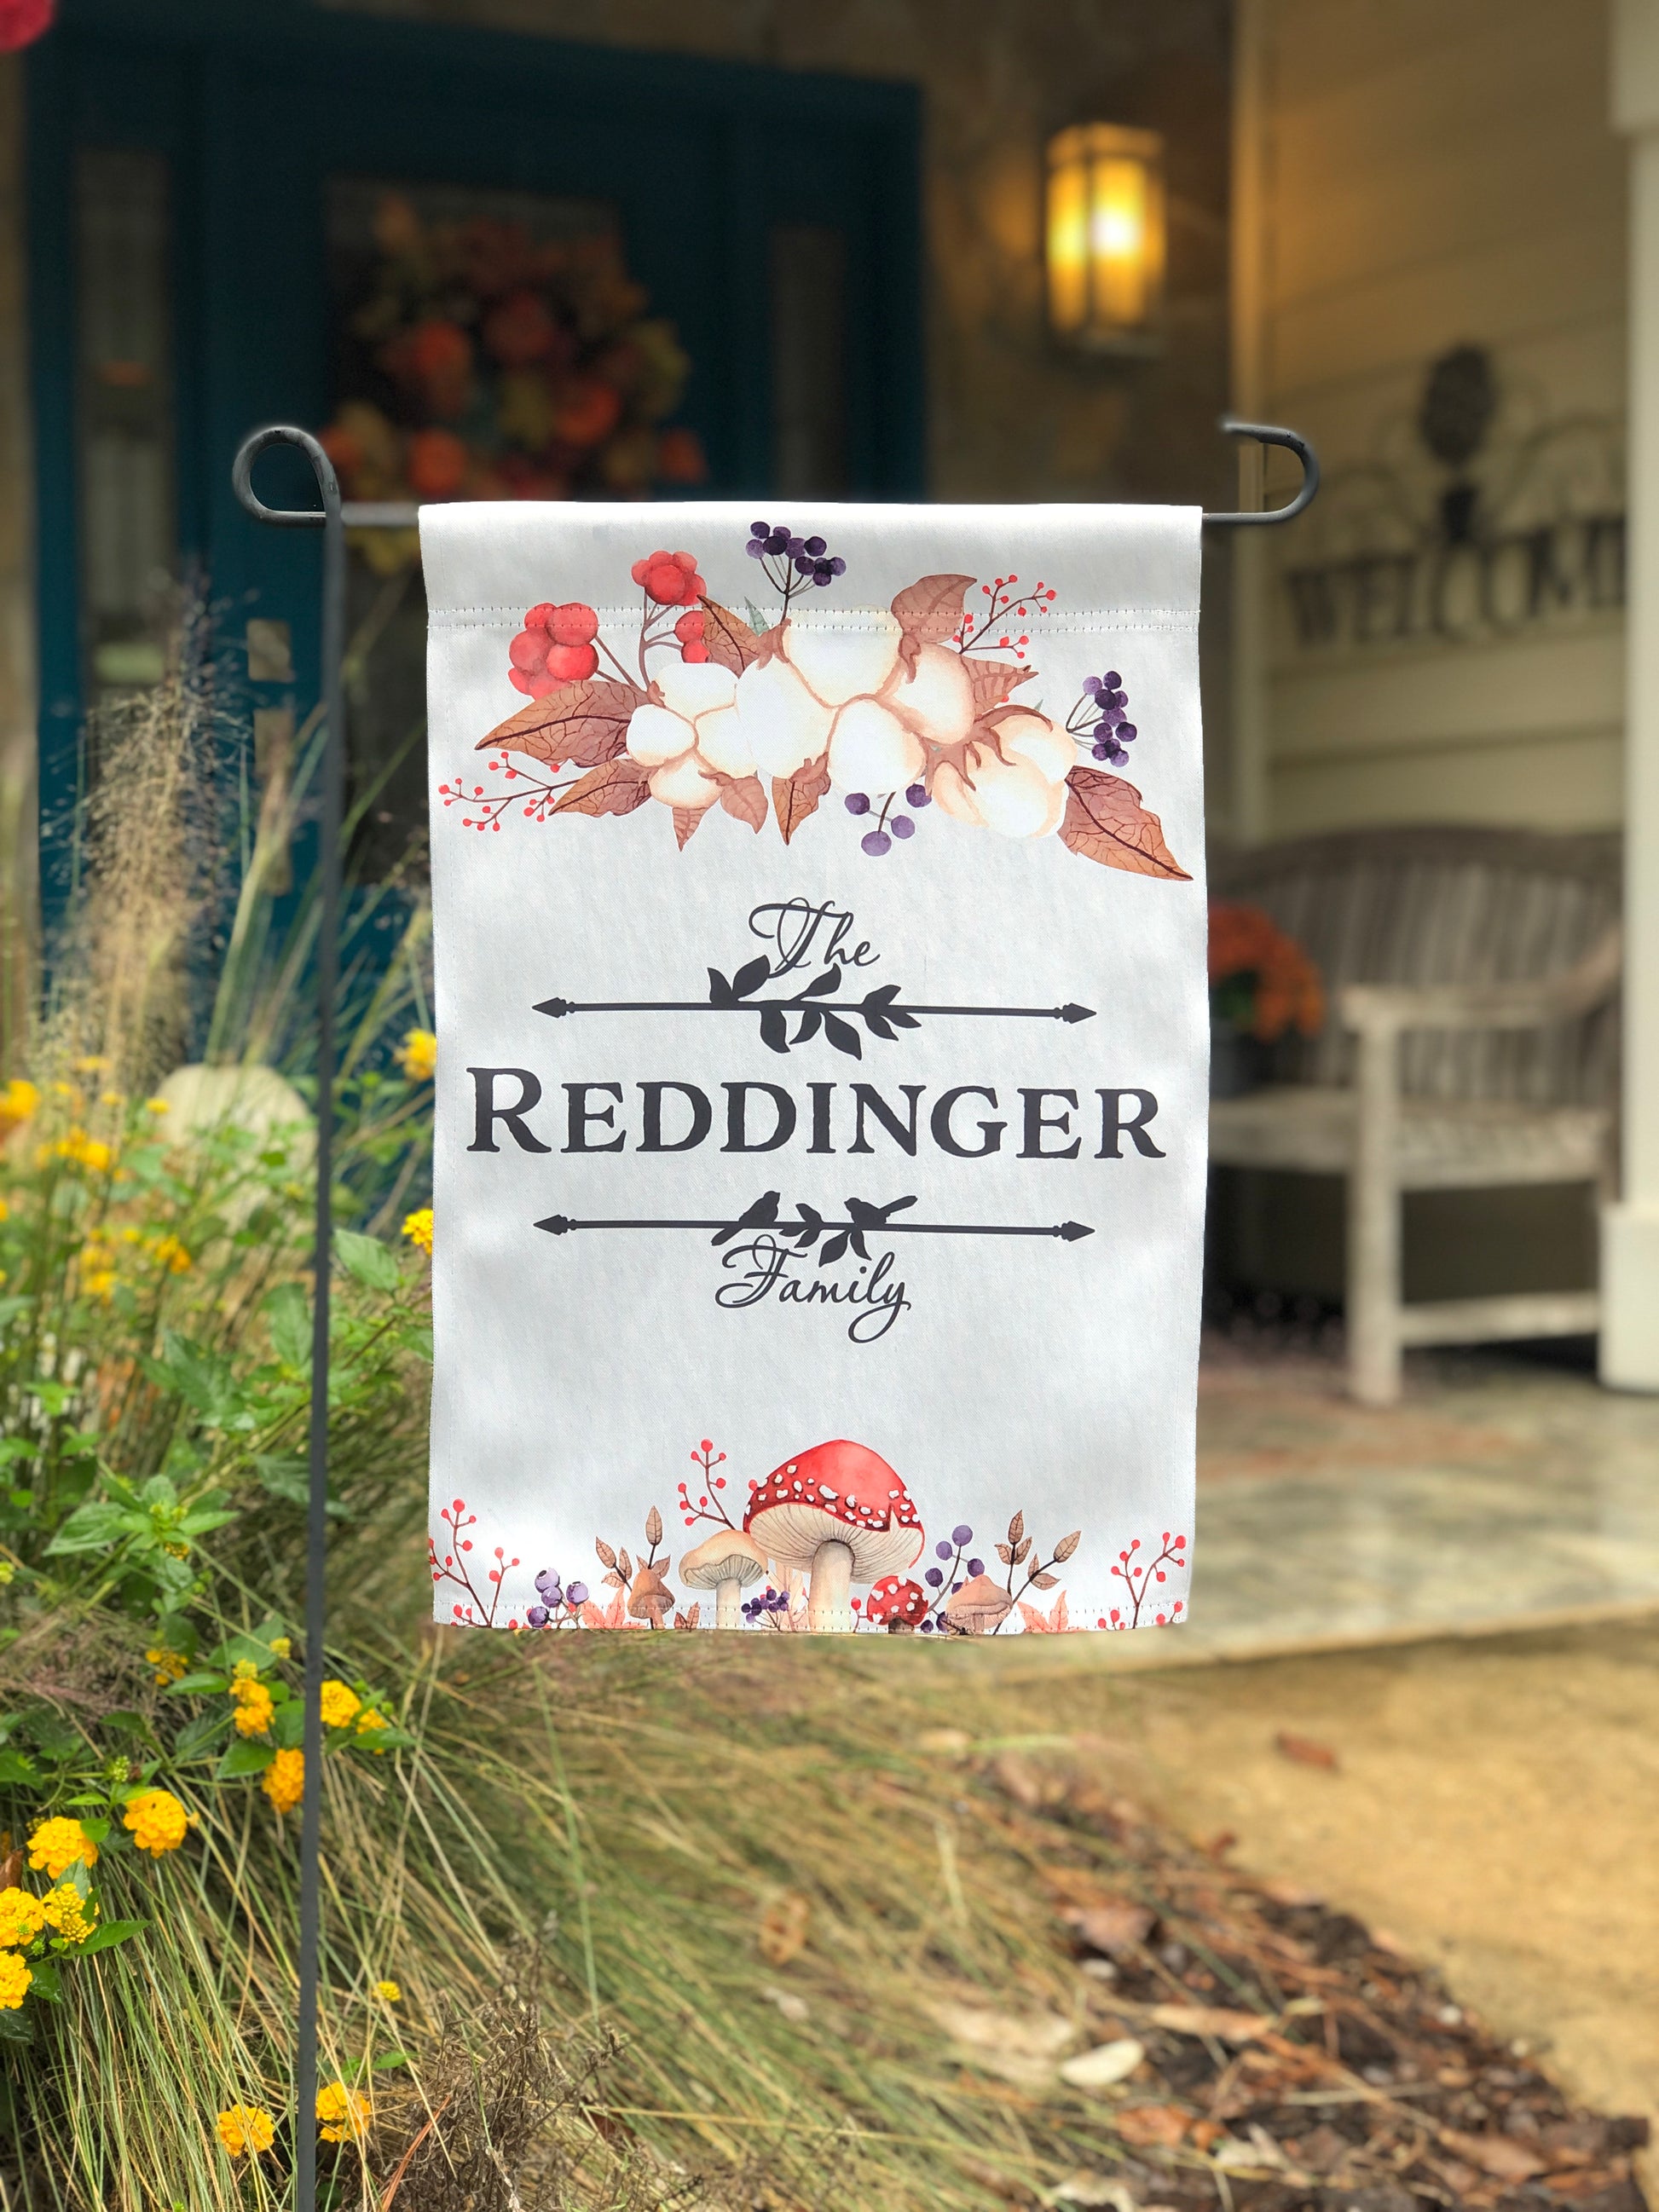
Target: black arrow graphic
{"type": "Point", "coordinates": [1069, 1232]}
{"type": "Point", "coordinates": [559, 1008]}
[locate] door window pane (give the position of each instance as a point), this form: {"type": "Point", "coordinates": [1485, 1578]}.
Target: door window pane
{"type": "Point", "coordinates": [809, 361]}
{"type": "Point", "coordinates": [128, 530]}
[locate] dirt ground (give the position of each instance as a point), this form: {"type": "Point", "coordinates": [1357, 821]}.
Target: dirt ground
{"type": "Point", "coordinates": [1494, 1806]}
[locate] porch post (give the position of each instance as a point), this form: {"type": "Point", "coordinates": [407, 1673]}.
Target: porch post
{"type": "Point", "coordinates": [1630, 1228]}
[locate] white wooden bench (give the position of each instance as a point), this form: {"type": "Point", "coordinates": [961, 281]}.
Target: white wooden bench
{"type": "Point", "coordinates": [1471, 1044]}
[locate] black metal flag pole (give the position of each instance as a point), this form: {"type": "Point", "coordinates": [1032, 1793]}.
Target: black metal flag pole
{"type": "Point", "coordinates": [332, 519]}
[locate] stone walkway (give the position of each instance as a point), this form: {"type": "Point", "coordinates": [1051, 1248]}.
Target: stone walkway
{"type": "Point", "coordinates": [1501, 1493]}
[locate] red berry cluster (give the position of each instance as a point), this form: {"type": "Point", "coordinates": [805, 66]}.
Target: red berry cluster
{"type": "Point", "coordinates": [555, 646]}
{"type": "Point", "coordinates": [689, 631]}
{"type": "Point", "coordinates": [670, 579]}
{"type": "Point", "coordinates": [705, 1456]}
{"type": "Point", "coordinates": [1003, 598]}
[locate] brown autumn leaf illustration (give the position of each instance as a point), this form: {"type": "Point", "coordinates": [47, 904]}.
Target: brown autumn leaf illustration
{"type": "Point", "coordinates": [744, 798]}
{"type": "Point", "coordinates": [686, 824]}
{"type": "Point", "coordinates": [1067, 1545]}
{"type": "Point", "coordinates": [585, 722]}
{"type": "Point", "coordinates": [653, 1527]}
{"type": "Point", "coordinates": [617, 787]}
{"type": "Point", "coordinates": [783, 1928]}
{"type": "Point", "coordinates": [728, 637]}
{"type": "Point", "coordinates": [929, 611]}
{"type": "Point", "coordinates": [606, 1553]}
{"type": "Point", "coordinates": [1016, 1527]}
{"type": "Point", "coordinates": [795, 797]}
{"type": "Point", "coordinates": [992, 681]}
{"type": "Point", "coordinates": [1105, 821]}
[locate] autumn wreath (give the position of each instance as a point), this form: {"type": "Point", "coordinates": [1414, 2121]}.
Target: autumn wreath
{"type": "Point", "coordinates": [481, 363]}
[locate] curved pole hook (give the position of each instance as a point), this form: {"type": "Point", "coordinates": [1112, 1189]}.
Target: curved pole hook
{"type": "Point", "coordinates": [302, 518]}
{"type": "Point", "coordinates": [1272, 434]}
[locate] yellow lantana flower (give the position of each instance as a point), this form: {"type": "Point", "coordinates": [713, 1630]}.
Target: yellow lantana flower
{"type": "Point", "coordinates": [390, 1991]}
{"type": "Point", "coordinates": [69, 1914]}
{"type": "Point", "coordinates": [158, 1821]}
{"type": "Point", "coordinates": [369, 1722]}
{"type": "Point", "coordinates": [285, 1780]}
{"type": "Point", "coordinates": [170, 1666]}
{"type": "Point", "coordinates": [417, 1227]}
{"type": "Point", "coordinates": [254, 1708]}
{"type": "Point", "coordinates": [418, 1056]}
{"type": "Point", "coordinates": [60, 1844]}
{"type": "Point", "coordinates": [19, 1102]}
{"type": "Point", "coordinates": [343, 2112]}
{"type": "Point", "coordinates": [86, 1151]}
{"type": "Point", "coordinates": [14, 1979]}
{"type": "Point", "coordinates": [157, 1106]}
{"type": "Point", "coordinates": [281, 1647]}
{"type": "Point", "coordinates": [22, 1918]}
{"type": "Point", "coordinates": [245, 2129]}
{"type": "Point", "coordinates": [340, 1704]}
{"type": "Point", "coordinates": [167, 1252]}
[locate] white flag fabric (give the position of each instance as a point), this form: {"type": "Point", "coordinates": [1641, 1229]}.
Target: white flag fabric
{"type": "Point", "coordinates": [823, 1065]}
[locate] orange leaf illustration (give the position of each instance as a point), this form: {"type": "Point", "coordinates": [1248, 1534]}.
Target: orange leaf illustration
{"type": "Point", "coordinates": [687, 820]}
{"type": "Point", "coordinates": [1106, 822]}
{"type": "Point", "coordinates": [728, 637]}
{"type": "Point", "coordinates": [744, 798]}
{"type": "Point", "coordinates": [929, 612]}
{"type": "Point", "coordinates": [617, 787]}
{"type": "Point", "coordinates": [795, 797]}
{"type": "Point", "coordinates": [992, 680]}
{"type": "Point", "coordinates": [1054, 1623]}
{"type": "Point", "coordinates": [585, 722]}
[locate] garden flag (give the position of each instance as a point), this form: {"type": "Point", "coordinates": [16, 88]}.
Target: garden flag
{"type": "Point", "coordinates": [823, 1035]}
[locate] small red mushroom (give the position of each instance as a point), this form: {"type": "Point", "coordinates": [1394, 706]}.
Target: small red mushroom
{"type": "Point", "coordinates": [896, 1605]}
{"type": "Point", "coordinates": [840, 1513]}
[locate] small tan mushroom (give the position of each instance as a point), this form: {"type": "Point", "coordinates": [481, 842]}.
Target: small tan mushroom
{"type": "Point", "coordinates": [978, 1606]}
{"type": "Point", "coordinates": [652, 1599]}
{"type": "Point", "coordinates": [724, 1562]}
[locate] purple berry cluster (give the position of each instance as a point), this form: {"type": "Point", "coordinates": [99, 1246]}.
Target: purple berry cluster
{"type": "Point", "coordinates": [795, 561]}
{"type": "Point", "coordinates": [769, 1602]}
{"type": "Point", "coordinates": [945, 1582]}
{"type": "Point", "coordinates": [888, 824]}
{"type": "Point", "coordinates": [555, 1595]}
{"type": "Point", "coordinates": [1112, 732]}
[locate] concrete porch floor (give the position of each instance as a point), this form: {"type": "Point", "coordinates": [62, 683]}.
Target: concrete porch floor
{"type": "Point", "coordinates": [1502, 1492]}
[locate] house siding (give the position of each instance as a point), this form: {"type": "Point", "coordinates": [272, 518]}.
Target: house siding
{"type": "Point", "coordinates": [1429, 176]}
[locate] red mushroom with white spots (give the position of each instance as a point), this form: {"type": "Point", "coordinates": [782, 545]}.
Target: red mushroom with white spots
{"type": "Point", "coordinates": [896, 1605]}
{"type": "Point", "coordinates": [839, 1513]}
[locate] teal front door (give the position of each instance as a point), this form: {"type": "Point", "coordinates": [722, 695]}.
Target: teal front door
{"type": "Point", "coordinates": [205, 182]}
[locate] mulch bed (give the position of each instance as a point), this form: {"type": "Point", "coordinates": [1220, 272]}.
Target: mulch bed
{"type": "Point", "coordinates": [1292, 2058]}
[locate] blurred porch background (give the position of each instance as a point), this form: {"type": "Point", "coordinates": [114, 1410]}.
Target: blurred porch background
{"type": "Point", "coordinates": [1419, 234]}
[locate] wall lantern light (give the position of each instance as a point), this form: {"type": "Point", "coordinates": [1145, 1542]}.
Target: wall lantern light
{"type": "Point", "coordinates": [1106, 237]}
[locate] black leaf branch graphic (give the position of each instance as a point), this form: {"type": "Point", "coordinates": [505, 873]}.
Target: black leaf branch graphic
{"type": "Point", "coordinates": [863, 1218]}
{"type": "Point", "coordinates": [810, 1009]}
